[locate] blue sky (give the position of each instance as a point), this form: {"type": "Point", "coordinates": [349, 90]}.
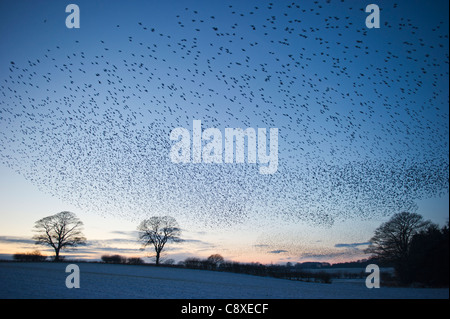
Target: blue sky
{"type": "Point", "coordinates": [87, 113]}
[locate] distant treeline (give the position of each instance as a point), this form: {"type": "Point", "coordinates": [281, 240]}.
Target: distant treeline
{"type": "Point", "coordinates": [217, 263]}
{"type": "Point", "coordinates": [257, 269]}
{"type": "Point", "coordinates": [352, 264]}
{"type": "Point", "coordinates": [118, 259]}
{"type": "Point", "coordinates": [306, 271]}
{"type": "Point", "coordinates": [34, 256]}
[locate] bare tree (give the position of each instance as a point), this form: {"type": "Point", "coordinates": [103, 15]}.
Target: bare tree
{"type": "Point", "coordinates": [158, 231]}
{"type": "Point", "coordinates": [214, 261]}
{"type": "Point", "coordinates": [392, 240]}
{"type": "Point", "coordinates": [59, 231]}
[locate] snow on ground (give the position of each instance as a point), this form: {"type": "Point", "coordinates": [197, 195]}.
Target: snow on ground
{"type": "Point", "coordinates": [47, 280]}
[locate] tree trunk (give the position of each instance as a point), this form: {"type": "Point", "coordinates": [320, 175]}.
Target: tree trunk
{"type": "Point", "coordinates": [157, 257]}
{"type": "Point", "coordinates": [56, 255]}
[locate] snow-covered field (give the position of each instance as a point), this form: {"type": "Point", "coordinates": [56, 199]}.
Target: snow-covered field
{"type": "Point", "coordinates": [47, 280]}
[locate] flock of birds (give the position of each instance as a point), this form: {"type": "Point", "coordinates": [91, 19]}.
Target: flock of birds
{"type": "Point", "coordinates": [362, 114]}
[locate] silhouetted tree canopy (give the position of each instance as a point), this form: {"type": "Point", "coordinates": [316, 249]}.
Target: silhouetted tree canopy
{"type": "Point", "coordinates": [158, 231]}
{"type": "Point", "coordinates": [60, 231]}
{"type": "Point", "coordinates": [408, 241]}
{"type": "Point", "coordinates": [429, 257]}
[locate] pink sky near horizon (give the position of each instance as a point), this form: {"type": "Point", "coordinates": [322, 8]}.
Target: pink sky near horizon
{"type": "Point", "coordinates": [108, 235]}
